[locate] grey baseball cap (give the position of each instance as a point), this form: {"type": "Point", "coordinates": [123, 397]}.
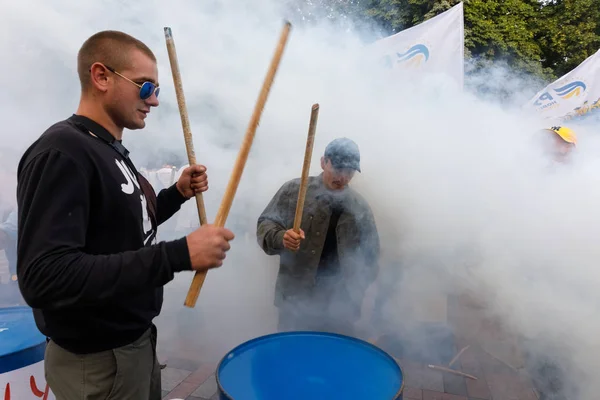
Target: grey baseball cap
{"type": "Point", "coordinates": [343, 153]}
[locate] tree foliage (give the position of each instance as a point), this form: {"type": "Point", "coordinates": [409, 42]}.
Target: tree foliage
{"type": "Point", "coordinates": [546, 38]}
{"type": "Point", "coordinates": [568, 32]}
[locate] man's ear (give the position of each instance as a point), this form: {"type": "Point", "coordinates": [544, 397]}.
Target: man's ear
{"type": "Point", "coordinates": [99, 77]}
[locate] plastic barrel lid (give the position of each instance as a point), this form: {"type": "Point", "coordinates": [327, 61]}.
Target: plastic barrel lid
{"type": "Point", "coordinates": [21, 343]}
{"type": "Point", "coordinates": [309, 365]}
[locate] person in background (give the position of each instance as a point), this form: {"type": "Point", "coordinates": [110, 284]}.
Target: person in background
{"type": "Point", "coordinates": [88, 261]}
{"type": "Point", "coordinates": [326, 268]}
{"type": "Point", "coordinates": [561, 144]}
{"type": "Point", "coordinates": [544, 355]}
{"type": "Point", "coordinates": [8, 243]}
{"type": "Point", "coordinates": [166, 175]}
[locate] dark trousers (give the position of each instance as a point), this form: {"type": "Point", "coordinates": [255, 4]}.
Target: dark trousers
{"type": "Point", "coordinates": [548, 364]}
{"type": "Point", "coordinates": [327, 308]}
{"type": "Point", "coordinates": [549, 379]}
{"type": "Point", "coordinates": [387, 284]}
{"type": "Point", "coordinates": [293, 318]}
{"type": "Point", "coordinates": [129, 372]}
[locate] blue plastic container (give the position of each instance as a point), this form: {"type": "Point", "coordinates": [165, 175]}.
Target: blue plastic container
{"type": "Point", "coordinates": [21, 343]}
{"type": "Point", "coordinates": [308, 366]}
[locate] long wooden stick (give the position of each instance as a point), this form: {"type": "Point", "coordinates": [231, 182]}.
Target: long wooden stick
{"type": "Point", "coordinates": [451, 371]}
{"type": "Point", "coordinates": [185, 122]}
{"type": "Point", "coordinates": [456, 357]}
{"type": "Point", "coordinates": [436, 367]}
{"type": "Point", "coordinates": [312, 127]}
{"type": "Point", "coordinates": [240, 163]}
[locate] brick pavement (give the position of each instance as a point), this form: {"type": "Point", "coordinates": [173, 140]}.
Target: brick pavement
{"type": "Point", "coordinates": [421, 382]}
{"type": "Point", "coordinates": [496, 381]}
{"type": "Point", "coordinates": [181, 383]}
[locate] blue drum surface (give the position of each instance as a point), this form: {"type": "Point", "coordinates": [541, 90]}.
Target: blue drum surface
{"type": "Point", "coordinates": [308, 365]}
{"type": "Point", "coordinates": [21, 343]}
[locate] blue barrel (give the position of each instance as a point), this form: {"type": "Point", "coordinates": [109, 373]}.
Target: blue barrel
{"type": "Point", "coordinates": [21, 343]}
{"type": "Point", "coordinates": [308, 365]}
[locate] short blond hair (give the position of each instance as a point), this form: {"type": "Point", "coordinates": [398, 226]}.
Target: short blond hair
{"type": "Point", "coordinates": [111, 48]}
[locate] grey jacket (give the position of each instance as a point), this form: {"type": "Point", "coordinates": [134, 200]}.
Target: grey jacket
{"type": "Point", "coordinates": [358, 240]}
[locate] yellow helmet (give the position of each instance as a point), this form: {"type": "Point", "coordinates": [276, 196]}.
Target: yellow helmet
{"type": "Point", "coordinates": [565, 133]}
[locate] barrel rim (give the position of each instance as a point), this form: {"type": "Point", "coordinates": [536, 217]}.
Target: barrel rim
{"type": "Point", "coordinates": [30, 356]}
{"type": "Point", "coordinates": [289, 333]}
{"type": "Point", "coordinates": [25, 356]}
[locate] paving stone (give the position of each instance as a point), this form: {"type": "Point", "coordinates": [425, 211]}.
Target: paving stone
{"type": "Point", "coordinates": [478, 389]}
{"type": "Point", "coordinates": [454, 384]}
{"type": "Point", "coordinates": [207, 389]}
{"type": "Point", "coordinates": [413, 394]}
{"type": "Point", "coordinates": [182, 363]}
{"type": "Point", "coordinates": [507, 387]}
{"type": "Point", "coordinates": [420, 377]}
{"type": "Point", "coordinates": [200, 375]}
{"type": "Point", "coordinates": [432, 395]}
{"type": "Point", "coordinates": [171, 377]}
{"type": "Point", "coordinates": [183, 390]}
{"type": "Point", "coordinates": [470, 363]}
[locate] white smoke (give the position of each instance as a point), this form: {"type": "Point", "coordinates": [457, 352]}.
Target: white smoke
{"type": "Point", "coordinates": [452, 179]}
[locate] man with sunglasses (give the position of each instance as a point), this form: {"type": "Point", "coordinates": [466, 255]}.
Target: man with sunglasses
{"type": "Point", "coordinates": [326, 268]}
{"type": "Point", "coordinates": [88, 262]}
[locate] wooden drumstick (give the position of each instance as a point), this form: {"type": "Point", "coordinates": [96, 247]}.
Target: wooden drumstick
{"type": "Point", "coordinates": [238, 169]}
{"type": "Point", "coordinates": [185, 122]}
{"type": "Point", "coordinates": [451, 371]}
{"type": "Point", "coordinates": [312, 127]}
{"type": "Point", "coordinates": [456, 357]}
{"type": "Point", "coordinates": [436, 367]}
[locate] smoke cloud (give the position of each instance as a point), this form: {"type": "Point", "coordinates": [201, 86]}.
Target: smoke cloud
{"type": "Point", "coordinates": [465, 198]}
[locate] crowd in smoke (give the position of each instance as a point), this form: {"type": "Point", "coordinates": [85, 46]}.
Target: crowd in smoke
{"type": "Point", "coordinates": [464, 197]}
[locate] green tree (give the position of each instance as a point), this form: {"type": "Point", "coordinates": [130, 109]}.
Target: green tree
{"type": "Point", "coordinates": [393, 15]}
{"type": "Point", "coordinates": [310, 11]}
{"type": "Point", "coordinates": [544, 38]}
{"type": "Point", "coordinates": [494, 29]}
{"type": "Point", "coordinates": [568, 32]}
{"type": "Point", "coordinates": [505, 31]}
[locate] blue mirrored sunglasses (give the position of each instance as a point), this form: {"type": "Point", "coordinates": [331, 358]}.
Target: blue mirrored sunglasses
{"type": "Point", "coordinates": [147, 89]}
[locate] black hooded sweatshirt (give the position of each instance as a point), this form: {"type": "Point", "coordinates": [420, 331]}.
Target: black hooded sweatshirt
{"type": "Point", "coordinates": [88, 262]}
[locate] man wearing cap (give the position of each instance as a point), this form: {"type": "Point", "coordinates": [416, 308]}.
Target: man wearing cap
{"type": "Point", "coordinates": [326, 268]}
{"type": "Point", "coordinates": [545, 356]}
{"type": "Point", "coordinates": [562, 143]}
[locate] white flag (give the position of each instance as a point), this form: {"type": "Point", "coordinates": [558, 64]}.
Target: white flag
{"type": "Point", "coordinates": [575, 95]}
{"type": "Point", "coordinates": [436, 46]}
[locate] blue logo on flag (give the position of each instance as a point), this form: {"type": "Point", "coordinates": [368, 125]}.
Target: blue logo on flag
{"type": "Point", "coordinates": [416, 55]}
{"type": "Point", "coordinates": [413, 57]}
{"type": "Point", "coordinates": [572, 89]}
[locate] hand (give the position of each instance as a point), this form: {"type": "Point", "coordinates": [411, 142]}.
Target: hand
{"type": "Point", "coordinates": [192, 180]}
{"type": "Point", "coordinates": [207, 246]}
{"type": "Point", "coordinates": [291, 239]}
